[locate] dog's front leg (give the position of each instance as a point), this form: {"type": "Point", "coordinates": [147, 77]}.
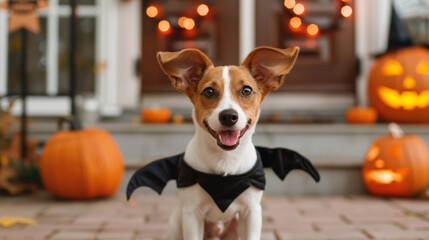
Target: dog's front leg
{"type": "Point", "coordinates": [250, 223]}
{"type": "Point", "coordinates": [192, 223]}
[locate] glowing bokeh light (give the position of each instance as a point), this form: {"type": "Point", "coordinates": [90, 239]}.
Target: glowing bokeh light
{"type": "Point", "coordinates": [346, 11]}
{"type": "Point", "coordinates": [295, 22]}
{"type": "Point", "coordinates": [203, 10]}
{"type": "Point", "coordinates": [189, 23]}
{"type": "Point", "coordinates": [299, 9]}
{"type": "Point", "coordinates": [181, 20]}
{"type": "Point", "coordinates": [164, 26]}
{"type": "Point", "coordinates": [312, 29]}
{"type": "Point", "coordinates": [152, 11]}
{"type": "Point", "coordinates": [289, 3]}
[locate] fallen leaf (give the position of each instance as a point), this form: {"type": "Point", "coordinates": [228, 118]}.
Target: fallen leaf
{"type": "Point", "coordinates": [10, 221]}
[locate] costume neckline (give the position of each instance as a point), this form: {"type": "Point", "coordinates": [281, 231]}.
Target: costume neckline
{"type": "Point", "coordinates": [258, 164]}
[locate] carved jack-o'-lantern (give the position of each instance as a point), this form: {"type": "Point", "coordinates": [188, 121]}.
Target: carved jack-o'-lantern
{"type": "Point", "coordinates": [397, 165]}
{"type": "Point", "coordinates": [398, 85]}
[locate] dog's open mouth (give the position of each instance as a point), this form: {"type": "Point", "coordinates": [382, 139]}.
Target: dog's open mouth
{"type": "Point", "coordinates": [228, 139]}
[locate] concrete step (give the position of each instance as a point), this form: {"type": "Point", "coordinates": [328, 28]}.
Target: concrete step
{"type": "Point", "coordinates": [337, 150]}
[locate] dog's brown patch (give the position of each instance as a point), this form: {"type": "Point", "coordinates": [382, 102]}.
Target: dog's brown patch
{"type": "Point", "coordinates": [205, 106]}
{"type": "Point", "coordinates": [241, 78]}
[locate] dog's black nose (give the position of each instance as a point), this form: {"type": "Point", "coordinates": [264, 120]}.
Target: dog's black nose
{"type": "Point", "coordinates": [228, 117]}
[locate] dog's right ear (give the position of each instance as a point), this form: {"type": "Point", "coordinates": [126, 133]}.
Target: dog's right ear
{"type": "Point", "coordinates": [185, 68]}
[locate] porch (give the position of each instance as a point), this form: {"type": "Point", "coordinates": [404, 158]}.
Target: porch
{"type": "Point", "coordinates": [336, 148]}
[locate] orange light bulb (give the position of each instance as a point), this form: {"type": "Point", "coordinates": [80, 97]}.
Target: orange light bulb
{"type": "Point", "coordinates": [203, 10]}
{"type": "Point", "coordinates": [289, 3]}
{"type": "Point", "coordinates": [152, 11]}
{"type": "Point", "coordinates": [164, 26]}
{"type": "Point", "coordinates": [299, 9]}
{"type": "Point", "coordinates": [346, 11]}
{"type": "Point", "coordinates": [295, 22]}
{"type": "Point", "coordinates": [189, 24]}
{"type": "Point", "coordinates": [181, 20]}
{"type": "Point", "coordinates": [312, 30]}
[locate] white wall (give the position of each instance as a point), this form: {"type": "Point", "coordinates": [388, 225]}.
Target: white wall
{"type": "Point", "coordinates": [128, 52]}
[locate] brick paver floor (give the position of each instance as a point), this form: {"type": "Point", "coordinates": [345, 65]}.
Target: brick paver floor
{"type": "Point", "coordinates": [284, 217]}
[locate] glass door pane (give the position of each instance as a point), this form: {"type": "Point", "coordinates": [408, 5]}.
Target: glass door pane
{"type": "Point", "coordinates": [36, 61]}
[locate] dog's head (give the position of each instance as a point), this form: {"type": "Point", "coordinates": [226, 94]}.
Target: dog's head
{"type": "Point", "coordinates": [226, 99]}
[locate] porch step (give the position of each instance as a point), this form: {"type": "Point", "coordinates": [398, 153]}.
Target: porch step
{"type": "Point", "coordinates": [337, 150]}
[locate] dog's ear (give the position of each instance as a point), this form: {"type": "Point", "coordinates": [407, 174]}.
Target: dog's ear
{"type": "Point", "coordinates": [184, 68]}
{"type": "Point", "coordinates": [268, 66]}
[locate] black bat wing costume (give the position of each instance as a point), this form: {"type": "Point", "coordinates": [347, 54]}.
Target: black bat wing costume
{"type": "Point", "coordinates": [223, 189]}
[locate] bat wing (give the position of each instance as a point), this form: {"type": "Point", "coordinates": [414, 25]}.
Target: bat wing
{"type": "Point", "coordinates": [154, 175]}
{"type": "Point", "coordinates": [283, 160]}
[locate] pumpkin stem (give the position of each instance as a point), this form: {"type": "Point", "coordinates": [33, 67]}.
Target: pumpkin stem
{"type": "Point", "coordinates": [73, 122]}
{"type": "Point", "coordinates": [395, 130]}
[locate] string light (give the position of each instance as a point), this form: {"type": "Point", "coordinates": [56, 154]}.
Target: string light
{"type": "Point", "coordinates": [152, 11]}
{"type": "Point", "coordinates": [164, 26]}
{"type": "Point", "coordinates": [289, 3]}
{"type": "Point", "coordinates": [189, 23]}
{"type": "Point", "coordinates": [299, 9]}
{"type": "Point", "coordinates": [312, 30]}
{"type": "Point", "coordinates": [346, 11]}
{"type": "Point", "coordinates": [181, 20]}
{"type": "Point", "coordinates": [295, 22]}
{"type": "Point", "coordinates": [203, 10]}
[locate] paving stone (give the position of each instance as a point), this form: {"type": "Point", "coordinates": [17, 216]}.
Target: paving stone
{"type": "Point", "coordinates": [73, 236]}
{"type": "Point", "coordinates": [24, 234]}
{"type": "Point", "coordinates": [351, 235]}
{"type": "Point", "coordinates": [109, 235]}
{"type": "Point", "coordinates": [268, 235]}
{"type": "Point", "coordinates": [398, 235]}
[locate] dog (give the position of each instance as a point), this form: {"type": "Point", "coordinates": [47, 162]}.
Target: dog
{"type": "Point", "coordinates": [220, 175]}
{"type": "Point", "coordinates": [226, 102]}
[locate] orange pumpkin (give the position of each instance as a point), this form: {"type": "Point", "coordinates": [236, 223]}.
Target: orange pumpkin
{"type": "Point", "coordinates": [397, 165]}
{"type": "Point", "coordinates": [156, 115]}
{"type": "Point", "coordinates": [81, 163]}
{"type": "Point", "coordinates": [361, 115]}
{"type": "Point", "coordinates": [398, 86]}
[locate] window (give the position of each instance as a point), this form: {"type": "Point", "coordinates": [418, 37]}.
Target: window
{"type": "Point", "coordinates": [48, 56]}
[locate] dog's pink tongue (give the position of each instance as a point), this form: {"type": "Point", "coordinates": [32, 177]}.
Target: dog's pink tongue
{"type": "Point", "coordinates": [228, 137]}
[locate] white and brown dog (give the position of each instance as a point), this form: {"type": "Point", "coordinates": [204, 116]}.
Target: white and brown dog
{"type": "Point", "coordinates": [226, 109]}
{"type": "Point", "coordinates": [226, 103]}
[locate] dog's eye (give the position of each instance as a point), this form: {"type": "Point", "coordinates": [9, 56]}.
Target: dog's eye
{"type": "Point", "coordinates": [209, 92]}
{"type": "Point", "coordinates": [246, 91]}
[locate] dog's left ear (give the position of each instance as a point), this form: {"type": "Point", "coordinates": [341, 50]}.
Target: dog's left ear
{"type": "Point", "coordinates": [268, 66]}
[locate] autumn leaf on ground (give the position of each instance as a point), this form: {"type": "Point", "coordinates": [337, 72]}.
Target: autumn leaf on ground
{"type": "Point", "coordinates": [10, 221]}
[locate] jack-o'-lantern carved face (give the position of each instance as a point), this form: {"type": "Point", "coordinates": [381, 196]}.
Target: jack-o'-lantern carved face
{"type": "Point", "coordinates": [397, 166]}
{"type": "Point", "coordinates": [399, 85]}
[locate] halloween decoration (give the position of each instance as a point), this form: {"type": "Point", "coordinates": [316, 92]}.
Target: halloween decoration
{"type": "Point", "coordinates": [397, 165]}
{"type": "Point", "coordinates": [185, 22]}
{"type": "Point", "coordinates": [23, 14]}
{"type": "Point", "coordinates": [81, 163]}
{"type": "Point", "coordinates": [398, 86]}
{"type": "Point", "coordinates": [361, 115]}
{"type": "Point", "coordinates": [17, 175]}
{"type": "Point", "coordinates": [301, 24]}
{"type": "Point", "coordinates": [156, 115]}
{"type": "Point", "coordinates": [222, 189]}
